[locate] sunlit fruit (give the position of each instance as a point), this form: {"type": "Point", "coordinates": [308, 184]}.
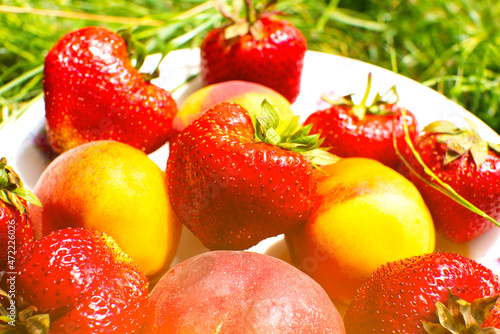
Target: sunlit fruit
{"type": "Point", "coordinates": [114, 188]}
{"type": "Point", "coordinates": [365, 215]}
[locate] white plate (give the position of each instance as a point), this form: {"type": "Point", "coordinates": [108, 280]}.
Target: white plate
{"type": "Point", "coordinates": [322, 72]}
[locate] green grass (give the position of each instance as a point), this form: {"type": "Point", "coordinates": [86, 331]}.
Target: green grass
{"type": "Point", "coordinates": [452, 46]}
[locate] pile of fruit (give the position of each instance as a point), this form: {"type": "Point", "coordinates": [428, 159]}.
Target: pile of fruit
{"type": "Point", "coordinates": [358, 191]}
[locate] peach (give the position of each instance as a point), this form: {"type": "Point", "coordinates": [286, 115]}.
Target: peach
{"type": "Point", "coordinates": [249, 94]}
{"type": "Point", "coordinates": [239, 292]}
{"type": "Point", "coordinates": [365, 215]}
{"type": "Point", "coordinates": [116, 189]}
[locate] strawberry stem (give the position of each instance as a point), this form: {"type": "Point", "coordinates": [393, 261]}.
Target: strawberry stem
{"type": "Point", "coordinates": [251, 14]}
{"type": "Point", "coordinates": [441, 186]}
{"type": "Point", "coordinates": [136, 50]}
{"type": "Point", "coordinates": [360, 109]}
{"type": "Point", "coordinates": [377, 106]}
{"type": "Point", "coordinates": [224, 12]}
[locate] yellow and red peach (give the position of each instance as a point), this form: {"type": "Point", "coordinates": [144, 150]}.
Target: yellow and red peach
{"type": "Point", "coordinates": [248, 94]}
{"type": "Point", "coordinates": [365, 215]}
{"type": "Point", "coordinates": [239, 292]}
{"type": "Point", "coordinates": [114, 188]}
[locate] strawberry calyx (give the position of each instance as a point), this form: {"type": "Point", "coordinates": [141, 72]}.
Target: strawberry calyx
{"type": "Point", "coordinates": [435, 181]}
{"type": "Point", "coordinates": [378, 105]}
{"type": "Point", "coordinates": [461, 140]}
{"type": "Point", "coordinates": [462, 317]}
{"type": "Point", "coordinates": [12, 188]}
{"type": "Point", "coordinates": [250, 24]}
{"type": "Point", "coordinates": [25, 321]}
{"type": "Point", "coordinates": [290, 137]}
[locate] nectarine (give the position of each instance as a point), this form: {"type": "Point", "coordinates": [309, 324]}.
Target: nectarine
{"type": "Point", "coordinates": [116, 189]}
{"type": "Point", "coordinates": [248, 94]}
{"type": "Point", "coordinates": [239, 292]}
{"type": "Point", "coordinates": [365, 214]}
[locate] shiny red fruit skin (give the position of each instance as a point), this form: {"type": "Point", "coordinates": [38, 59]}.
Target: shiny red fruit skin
{"type": "Point", "coordinates": [399, 295]}
{"type": "Point", "coordinates": [479, 186]}
{"type": "Point", "coordinates": [275, 61]}
{"type": "Point", "coordinates": [83, 283]}
{"type": "Point", "coordinates": [16, 235]}
{"type": "Point", "coordinates": [370, 137]}
{"type": "Point", "coordinates": [92, 92]}
{"type": "Point", "coordinates": [231, 191]}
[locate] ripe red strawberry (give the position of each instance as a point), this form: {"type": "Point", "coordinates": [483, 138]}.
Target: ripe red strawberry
{"type": "Point", "coordinates": [16, 230]}
{"type": "Point", "coordinates": [403, 296]}
{"type": "Point", "coordinates": [234, 185]}
{"type": "Point", "coordinates": [352, 130]}
{"type": "Point", "coordinates": [93, 92]}
{"type": "Point", "coordinates": [471, 166]}
{"type": "Point", "coordinates": [84, 282]}
{"type": "Point", "coordinates": [262, 48]}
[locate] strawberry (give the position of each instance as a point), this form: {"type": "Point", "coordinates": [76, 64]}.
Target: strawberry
{"type": "Point", "coordinates": [362, 130]}
{"type": "Point", "coordinates": [16, 239]}
{"type": "Point", "coordinates": [410, 296]}
{"type": "Point", "coordinates": [261, 48]}
{"type": "Point", "coordinates": [467, 164]}
{"type": "Point", "coordinates": [234, 180]}
{"type": "Point", "coordinates": [16, 230]}
{"type": "Point", "coordinates": [93, 92]}
{"type": "Point", "coordinates": [84, 282]}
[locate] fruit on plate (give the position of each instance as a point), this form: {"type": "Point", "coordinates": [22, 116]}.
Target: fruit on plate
{"type": "Point", "coordinates": [239, 292]}
{"type": "Point", "coordinates": [16, 229]}
{"type": "Point", "coordinates": [426, 294]}
{"type": "Point", "coordinates": [362, 130]}
{"type": "Point", "coordinates": [114, 188]}
{"type": "Point", "coordinates": [234, 185]}
{"type": "Point", "coordinates": [260, 48]}
{"type": "Point", "coordinates": [468, 164]}
{"type": "Point", "coordinates": [84, 282]}
{"type": "Point", "coordinates": [248, 94]}
{"type": "Point", "coordinates": [365, 214]}
{"type": "Point", "coordinates": [93, 92]}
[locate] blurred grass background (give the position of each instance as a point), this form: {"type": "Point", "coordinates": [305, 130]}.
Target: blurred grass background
{"type": "Point", "coordinates": [452, 46]}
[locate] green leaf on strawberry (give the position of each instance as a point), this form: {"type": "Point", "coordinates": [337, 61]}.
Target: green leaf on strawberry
{"type": "Point", "coordinates": [409, 296]}
{"type": "Point", "coordinates": [457, 172]}
{"type": "Point", "coordinates": [34, 323]}
{"type": "Point", "coordinates": [378, 105]}
{"type": "Point", "coordinates": [460, 316]}
{"type": "Point", "coordinates": [290, 137]}
{"type": "Point", "coordinates": [26, 321]}
{"type": "Point", "coordinates": [250, 24]}
{"type": "Point", "coordinates": [460, 140]}
{"type": "Point", "coordinates": [363, 129]}
{"type": "Point", "coordinates": [12, 188]}
{"type": "Point", "coordinates": [236, 178]}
